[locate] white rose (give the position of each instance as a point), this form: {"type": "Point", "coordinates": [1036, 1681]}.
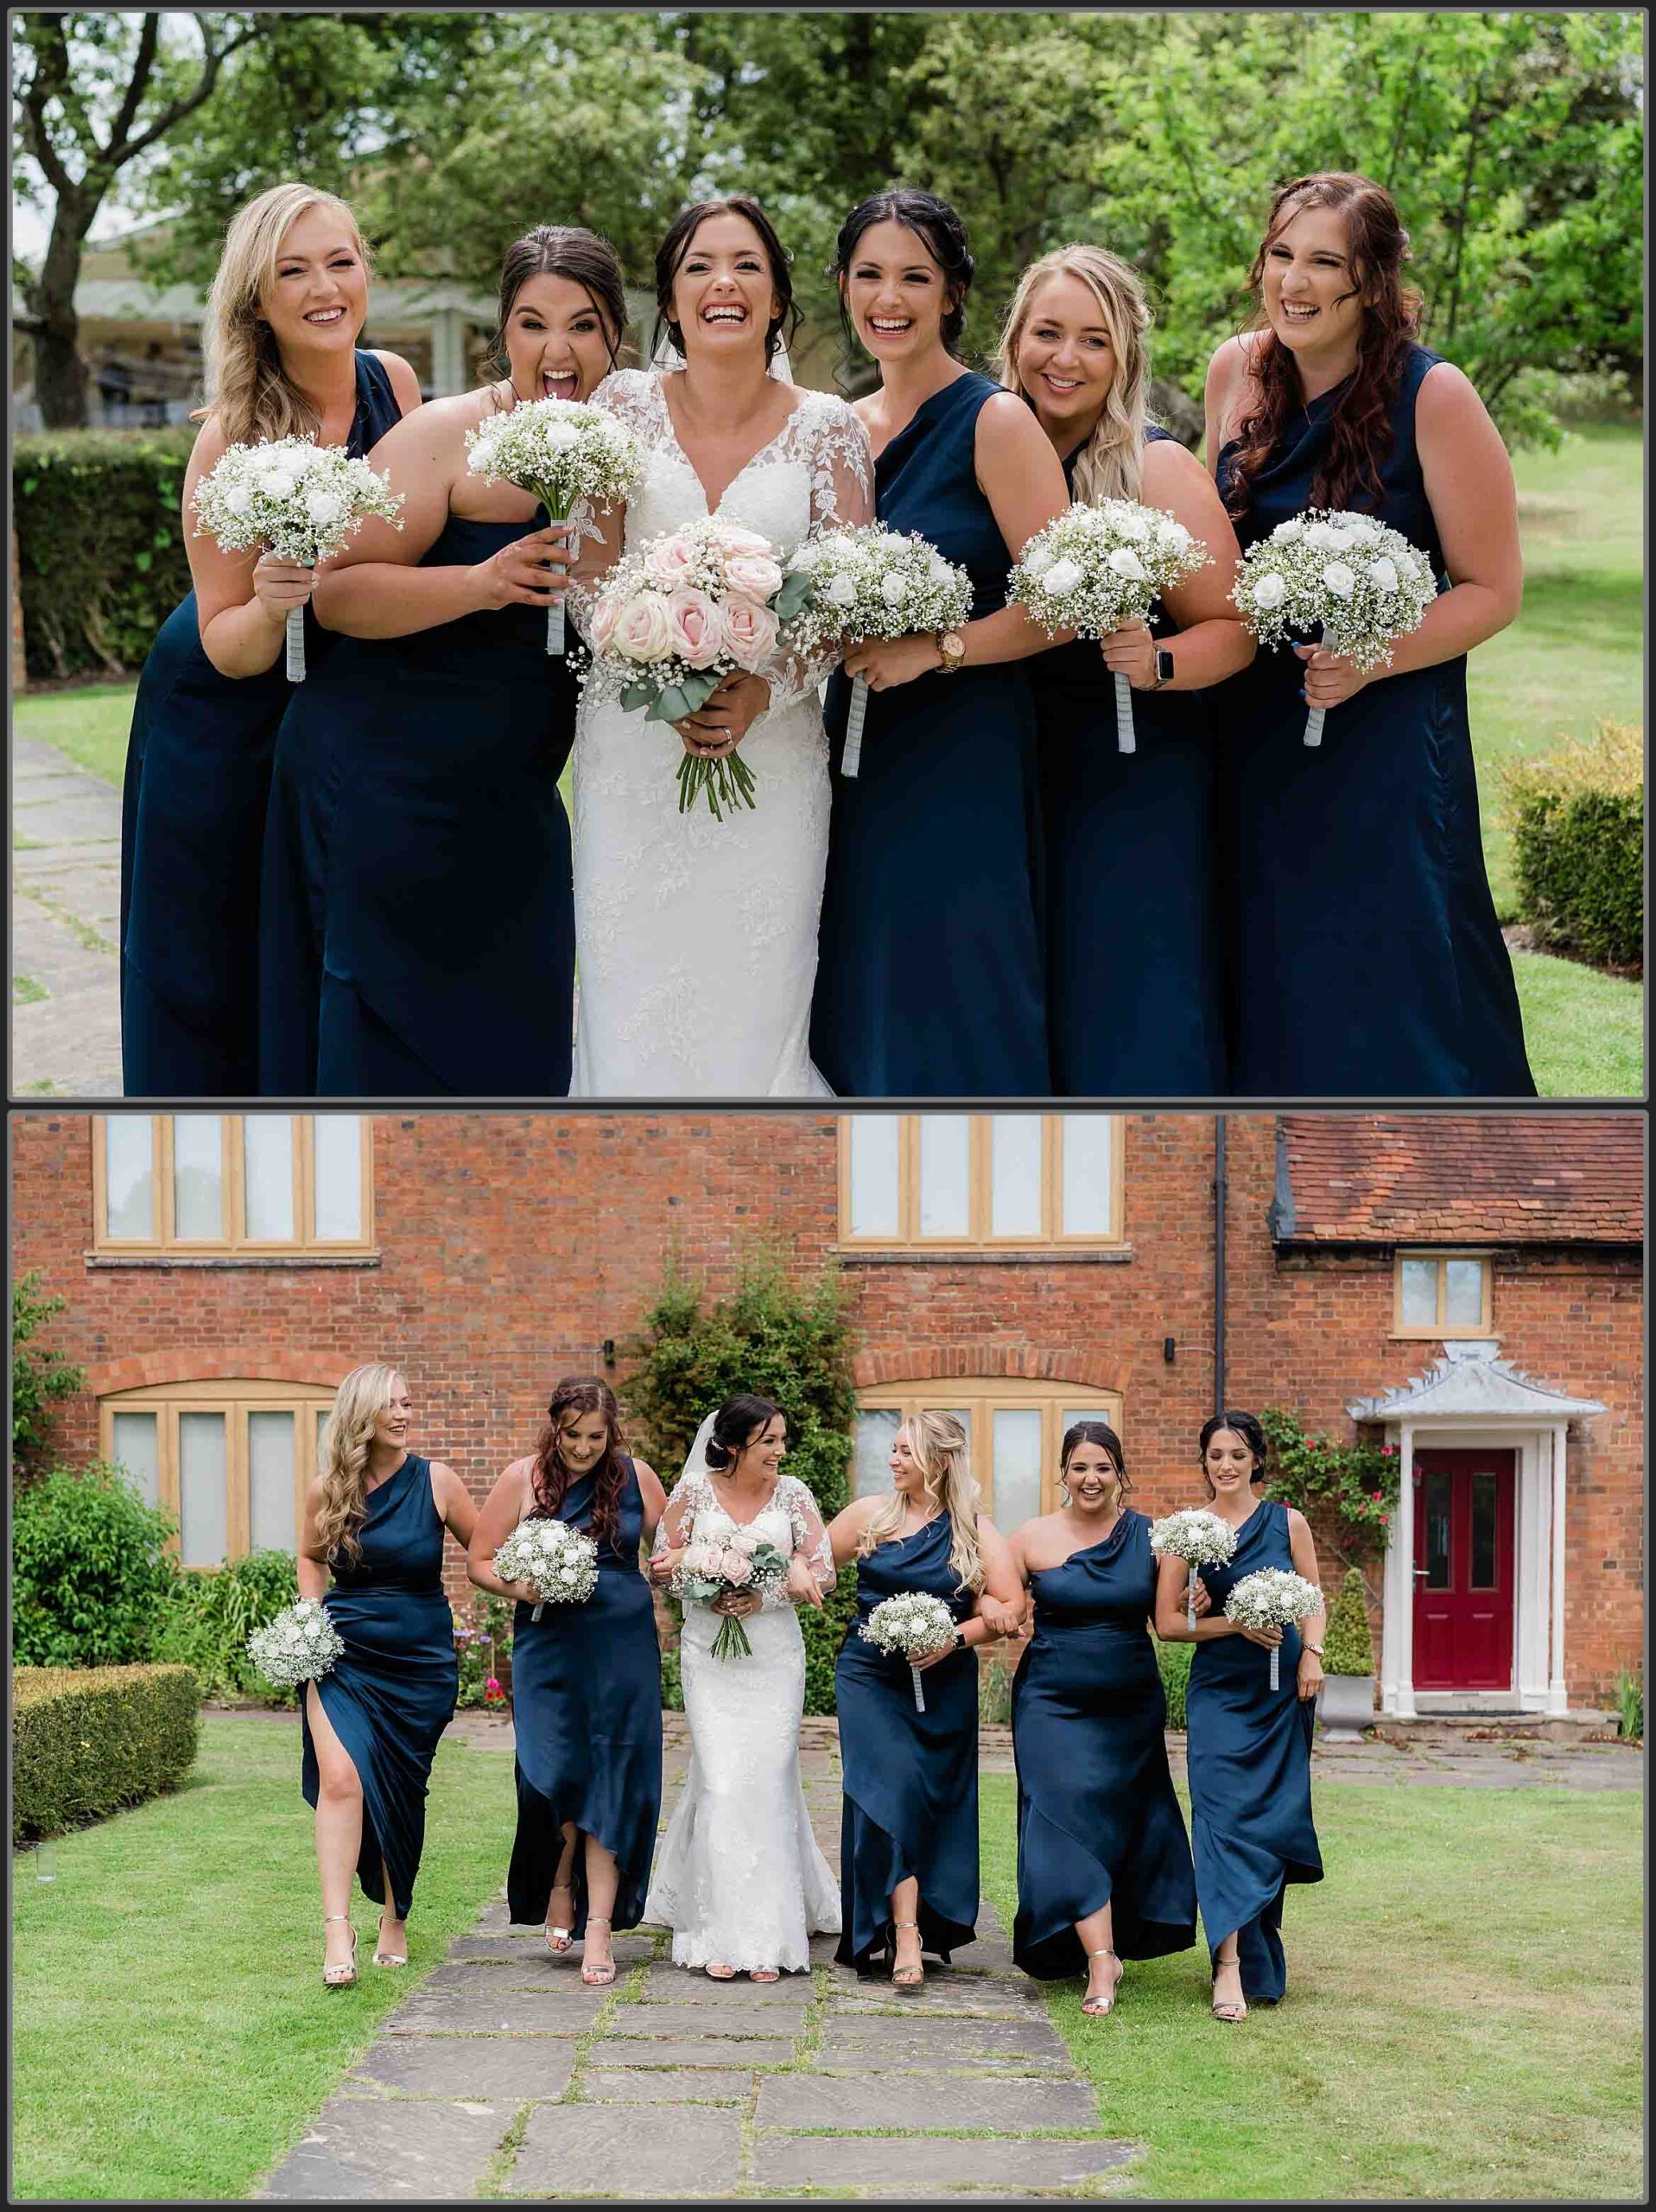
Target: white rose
{"type": "Point", "coordinates": [568, 1573]}
{"type": "Point", "coordinates": [1126, 562]}
{"type": "Point", "coordinates": [1362, 533]}
{"type": "Point", "coordinates": [841, 592]}
{"type": "Point", "coordinates": [1133, 526]}
{"type": "Point", "coordinates": [1063, 577]}
{"type": "Point", "coordinates": [323, 508]}
{"type": "Point", "coordinates": [277, 483]}
{"type": "Point", "coordinates": [1384, 573]}
{"type": "Point", "coordinates": [1270, 591]}
{"type": "Point", "coordinates": [940, 572]}
{"type": "Point", "coordinates": [894, 590]}
{"type": "Point", "coordinates": [557, 437]}
{"type": "Point", "coordinates": [1038, 560]}
{"type": "Point", "coordinates": [1324, 536]}
{"type": "Point", "coordinates": [1340, 579]}
{"type": "Point", "coordinates": [1174, 534]}
{"type": "Point", "coordinates": [238, 501]}
{"type": "Point", "coordinates": [1289, 531]}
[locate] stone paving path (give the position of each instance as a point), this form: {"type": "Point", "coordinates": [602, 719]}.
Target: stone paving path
{"type": "Point", "coordinates": [66, 908]}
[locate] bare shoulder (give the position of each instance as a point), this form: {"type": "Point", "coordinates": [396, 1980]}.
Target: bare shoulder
{"type": "Point", "coordinates": [445, 1478]}
{"type": "Point", "coordinates": [1448, 400]}
{"type": "Point", "coordinates": [404, 383]}
{"type": "Point", "coordinates": [1008, 425]}
{"type": "Point", "coordinates": [1171, 467]}
{"type": "Point", "coordinates": [1229, 371]}
{"type": "Point", "coordinates": [644, 1470]}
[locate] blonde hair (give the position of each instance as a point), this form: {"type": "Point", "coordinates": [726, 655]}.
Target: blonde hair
{"type": "Point", "coordinates": [343, 1453]}
{"type": "Point", "coordinates": [1110, 466]}
{"type": "Point", "coordinates": [938, 1442]}
{"type": "Point", "coordinates": [247, 387]}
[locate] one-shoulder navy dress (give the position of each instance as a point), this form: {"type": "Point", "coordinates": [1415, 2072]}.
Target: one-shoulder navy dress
{"type": "Point", "coordinates": [910, 1778]}
{"type": "Point", "coordinates": [1134, 978]}
{"type": "Point", "coordinates": [1098, 1822]}
{"type": "Point", "coordinates": [586, 1684]}
{"type": "Point", "coordinates": [418, 930]}
{"type": "Point", "coordinates": [391, 1695]}
{"type": "Point", "coordinates": [1249, 1756]}
{"type": "Point", "coordinates": [1365, 955]}
{"type": "Point", "coordinates": [198, 776]}
{"type": "Point", "coordinates": [929, 974]}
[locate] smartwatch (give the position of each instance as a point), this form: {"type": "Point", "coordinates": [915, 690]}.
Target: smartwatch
{"type": "Point", "coordinates": [1164, 668]}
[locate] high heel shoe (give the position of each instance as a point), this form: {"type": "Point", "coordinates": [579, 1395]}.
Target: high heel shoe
{"type": "Point", "coordinates": [1229, 2009]}
{"type": "Point", "coordinates": [1097, 2008]}
{"type": "Point", "coordinates": [340, 1977]}
{"type": "Point", "coordinates": [382, 1956]}
{"type": "Point", "coordinates": [906, 1977]}
{"type": "Point", "coordinates": [560, 1940]}
{"type": "Point", "coordinates": [601, 1975]}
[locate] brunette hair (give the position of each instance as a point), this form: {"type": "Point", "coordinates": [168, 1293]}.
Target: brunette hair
{"type": "Point", "coordinates": [1100, 1433]}
{"type": "Point", "coordinates": [1377, 246]}
{"type": "Point", "coordinates": [1247, 1426]}
{"type": "Point", "coordinates": [1111, 465]}
{"type": "Point", "coordinates": [671, 253]}
{"type": "Point", "coordinates": [939, 230]}
{"type": "Point", "coordinates": [550, 1479]}
{"type": "Point", "coordinates": [735, 1425]}
{"type": "Point", "coordinates": [560, 250]}
{"type": "Point", "coordinates": [246, 387]}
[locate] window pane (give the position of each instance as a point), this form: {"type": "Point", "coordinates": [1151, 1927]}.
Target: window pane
{"type": "Point", "coordinates": [1015, 1174]}
{"type": "Point", "coordinates": [197, 1175]}
{"type": "Point", "coordinates": [136, 1446]}
{"type": "Point", "coordinates": [873, 1175]}
{"type": "Point", "coordinates": [128, 1174]}
{"type": "Point", "coordinates": [1437, 1497]}
{"type": "Point", "coordinates": [945, 1174]}
{"type": "Point", "coordinates": [338, 1150]}
{"type": "Point", "coordinates": [269, 1482]}
{"type": "Point", "coordinates": [1464, 1293]}
{"type": "Point", "coordinates": [1086, 1175]}
{"type": "Point", "coordinates": [1017, 1486]}
{"type": "Point", "coordinates": [268, 1142]}
{"type": "Point", "coordinates": [1482, 1576]}
{"type": "Point", "coordinates": [877, 1428]}
{"type": "Point", "coordinates": [1419, 1294]}
{"type": "Point", "coordinates": [322, 1413]}
{"type": "Point", "coordinates": [203, 1490]}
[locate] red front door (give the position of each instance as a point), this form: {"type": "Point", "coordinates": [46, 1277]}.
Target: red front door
{"type": "Point", "coordinates": [1463, 1570]}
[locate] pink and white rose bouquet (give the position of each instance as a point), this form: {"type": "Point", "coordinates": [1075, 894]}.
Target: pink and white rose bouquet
{"type": "Point", "coordinates": [712, 1567]}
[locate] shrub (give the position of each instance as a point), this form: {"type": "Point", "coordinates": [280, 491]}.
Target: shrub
{"type": "Point", "coordinates": [100, 544]}
{"type": "Point", "coordinates": [1357, 1484]}
{"type": "Point", "coordinates": [1348, 1646]}
{"type": "Point", "coordinates": [87, 1741]}
{"type": "Point", "coordinates": [209, 1613]}
{"type": "Point", "coordinates": [1630, 1704]}
{"type": "Point", "coordinates": [1174, 1661]}
{"type": "Point", "coordinates": [91, 1572]}
{"type": "Point", "coordinates": [38, 1376]}
{"type": "Point", "coordinates": [1578, 846]}
{"type": "Point", "coordinates": [994, 1694]}
{"type": "Point", "coordinates": [482, 1647]}
{"type": "Point", "coordinates": [672, 1680]}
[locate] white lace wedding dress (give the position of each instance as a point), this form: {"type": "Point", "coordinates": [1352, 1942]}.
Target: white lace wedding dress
{"type": "Point", "coordinates": [738, 1878]}
{"type": "Point", "coordinates": [696, 940]}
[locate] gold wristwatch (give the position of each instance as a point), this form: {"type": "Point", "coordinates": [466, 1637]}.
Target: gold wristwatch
{"type": "Point", "coordinates": [951, 650]}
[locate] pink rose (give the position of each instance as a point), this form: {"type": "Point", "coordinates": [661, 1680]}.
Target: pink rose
{"type": "Point", "coordinates": [702, 1559]}
{"type": "Point", "coordinates": [669, 561]}
{"type": "Point", "coordinates": [604, 621]}
{"type": "Point", "coordinates": [737, 1568]}
{"type": "Point", "coordinates": [749, 632]}
{"type": "Point", "coordinates": [749, 576]}
{"type": "Point", "coordinates": [643, 628]}
{"type": "Point", "coordinates": [738, 541]}
{"type": "Point", "coordinates": [698, 627]}
{"type": "Point", "coordinates": [744, 1539]}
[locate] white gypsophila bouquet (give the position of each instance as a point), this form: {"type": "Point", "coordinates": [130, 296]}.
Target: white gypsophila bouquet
{"type": "Point", "coordinates": [297, 1646]}
{"type": "Point", "coordinates": [1271, 1598]}
{"type": "Point", "coordinates": [301, 499]}
{"type": "Point", "coordinates": [1199, 1538]}
{"type": "Point", "coordinates": [912, 1623]}
{"type": "Point", "coordinates": [871, 581]}
{"type": "Point", "coordinates": [562, 450]}
{"type": "Point", "coordinates": [714, 1566]}
{"type": "Point", "coordinates": [1356, 584]}
{"type": "Point", "coordinates": [559, 1561]}
{"type": "Point", "coordinates": [1100, 567]}
{"type": "Point", "coordinates": [675, 618]}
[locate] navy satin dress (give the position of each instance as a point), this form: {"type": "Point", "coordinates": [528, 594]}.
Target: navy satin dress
{"type": "Point", "coordinates": [417, 937]}
{"type": "Point", "coordinates": [586, 1683]}
{"type": "Point", "coordinates": [198, 776]}
{"type": "Point", "coordinates": [929, 977]}
{"type": "Point", "coordinates": [391, 1695]}
{"type": "Point", "coordinates": [910, 1778]}
{"type": "Point", "coordinates": [1134, 978]}
{"type": "Point", "coordinates": [1098, 1822]}
{"type": "Point", "coordinates": [1249, 1759]}
{"type": "Point", "coordinates": [1365, 955]}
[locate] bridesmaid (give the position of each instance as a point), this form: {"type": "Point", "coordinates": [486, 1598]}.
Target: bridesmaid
{"type": "Point", "coordinates": [1104, 1870]}
{"type": "Point", "coordinates": [375, 1516]}
{"type": "Point", "coordinates": [419, 932]}
{"type": "Point", "coordinates": [1368, 959]}
{"type": "Point", "coordinates": [586, 1682]}
{"type": "Point", "coordinates": [1248, 1748]}
{"type": "Point", "coordinates": [928, 979]}
{"type": "Point", "coordinates": [1133, 981]}
{"type": "Point", "coordinates": [284, 315]}
{"type": "Point", "coordinates": [908, 1828]}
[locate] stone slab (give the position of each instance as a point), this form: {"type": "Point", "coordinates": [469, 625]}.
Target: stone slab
{"type": "Point", "coordinates": [526, 1945]}
{"type": "Point", "coordinates": [922, 2042]}
{"type": "Point", "coordinates": [503, 2012]}
{"type": "Point", "coordinates": [574, 2151]}
{"type": "Point", "coordinates": [70, 813]}
{"type": "Point", "coordinates": [908, 2102]}
{"type": "Point", "coordinates": [725, 2020]}
{"type": "Point", "coordinates": [671, 1985]}
{"type": "Point", "coordinates": [929, 2166]}
{"type": "Point", "coordinates": [514, 2069]}
{"type": "Point", "coordinates": [639, 2086]}
{"type": "Point", "coordinates": [425, 2153]}
{"type": "Point", "coordinates": [682, 2051]}
{"type": "Point", "coordinates": [941, 1995]}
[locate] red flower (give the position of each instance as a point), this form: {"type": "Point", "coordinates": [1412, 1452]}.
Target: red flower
{"type": "Point", "coordinates": [493, 1693]}
{"type": "Point", "coordinates": [1387, 1450]}
{"type": "Point", "coordinates": [1384, 1518]}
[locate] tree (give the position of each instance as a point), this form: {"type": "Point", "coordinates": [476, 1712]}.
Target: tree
{"type": "Point", "coordinates": [40, 1377]}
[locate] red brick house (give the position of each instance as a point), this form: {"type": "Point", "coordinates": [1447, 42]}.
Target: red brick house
{"type": "Point", "coordinates": [1469, 1287]}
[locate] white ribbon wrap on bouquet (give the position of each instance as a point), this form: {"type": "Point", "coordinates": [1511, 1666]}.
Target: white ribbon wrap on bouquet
{"type": "Point", "coordinates": [919, 1694]}
{"type": "Point", "coordinates": [296, 645]}
{"type": "Point", "coordinates": [1191, 1597]}
{"type": "Point", "coordinates": [555, 629]}
{"type": "Point", "coordinates": [1313, 736]}
{"type": "Point", "coordinates": [853, 752]}
{"type": "Point", "coordinates": [1276, 1668]}
{"type": "Point", "coordinates": [1125, 740]}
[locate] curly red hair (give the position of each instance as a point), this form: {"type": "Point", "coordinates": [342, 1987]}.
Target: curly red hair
{"type": "Point", "coordinates": [551, 1479]}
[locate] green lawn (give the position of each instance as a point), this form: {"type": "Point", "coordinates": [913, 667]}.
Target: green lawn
{"type": "Point", "coordinates": [1463, 2016]}
{"type": "Point", "coordinates": [171, 2036]}
{"type": "Point", "coordinates": [89, 723]}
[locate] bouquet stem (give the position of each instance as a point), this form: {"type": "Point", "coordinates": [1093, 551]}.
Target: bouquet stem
{"type": "Point", "coordinates": [919, 1694]}
{"type": "Point", "coordinates": [854, 722]}
{"type": "Point", "coordinates": [1314, 736]}
{"type": "Point", "coordinates": [538, 1610]}
{"type": "Point", "coordinates": [555, 630]}
{"type": "Point", "coordinates": [1125, 740]}
{"type": "Point", "coordinates": [296, 645]}
{"type": "Point", "coordinates": [1276, 1670]}
{"type": "Point", "coordinates": [1191, 1598]}
{"type": "Point", "coordinates": [731, 1643]}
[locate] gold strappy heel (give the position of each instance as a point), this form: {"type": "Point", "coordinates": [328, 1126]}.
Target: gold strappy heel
{"type": "Point", "coordinates": [598, 1977]}
{"type": "Point", "coordinates": [906, 1977]}
{"type": "Point", "coordinates": [1097, 2008]}
{"type": "Point", "coordinates": [383, 1957]}
{"type": "Point", "coordinates": [340, 1977]}
{"type": "Point", "coordinates": [560, 1940]}
{"type": "Point", "coordinates": [1229, 2009]}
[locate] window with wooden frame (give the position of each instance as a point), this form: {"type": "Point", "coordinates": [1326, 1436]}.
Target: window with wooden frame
{"type": "Point", "coordinates": [229, 1461]}
{"type": "Point", "coordinates": [254, 1184]}
{"type": "Point", "coordinates": [1444, 1295]}
{"type": "Point", "coordinates": [964, 1181]}
{"type": "Point", "coordinates": [1015, 1429]}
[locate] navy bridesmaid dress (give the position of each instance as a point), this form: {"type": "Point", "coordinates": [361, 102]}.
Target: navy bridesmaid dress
{"type": "Point", "coordinates": [929, 977]}
{"type": "Point", "coordinates": [391, 1695]}
{"type": "Point", "coordinates": [910, 1778]}
{"type": "Point", "coordinates": [586, 1685]}
{"type": "Point", "coordinates": [1366, 957]}
{"type": "Point", "coordinates": [1249, 1754]}
{"type": "Point", "coordinates": [198, 777]}
{"type": "Point", "coordinates": [417, 932]}
{"type": "Point", "coordinates": [1134, 978]}
{"type": "Point", "coordinates": [1098, 1822]}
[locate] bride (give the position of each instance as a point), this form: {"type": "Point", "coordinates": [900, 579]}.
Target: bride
{"type": "Point", "coordinates": [738, 1878]}
{"type": "Point", "coordinates": [697, 938]}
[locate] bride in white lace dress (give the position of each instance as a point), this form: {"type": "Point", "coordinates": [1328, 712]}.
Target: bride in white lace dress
{"type": "Point", "coordinates": [738, 1878]}
{"type": "Point", "coordinates": [696, 939]}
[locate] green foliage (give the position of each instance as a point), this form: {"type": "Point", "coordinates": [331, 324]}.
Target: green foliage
{"type": "Point", "coordinates": [483, 1646]}
{"type": "Point", "coordinates": [672, 1680]}
{"type": "Point", "coordinates": [100, 544]}
{"type": "Point", "coordinates": [1174, 1662]}
{"type": "Point", "coordinates": [1630, 1703]}
{"type": "Point", "coordinates": [87, 1741]}
{"type": "Point", "coordinates": [1347, 1645]}
{"type": "Point", "coordinates": [1578, 842]}
{"type": "Point", "coordinates": [91, 1572]}
{"type": "Point", "coordinates": [1356, 1483]}
{"type": "Point", "coordinates": [209, 1613]}
{"type": "Point", "coordinates": [994, 1694]}
{"type": "Point", "coordinates": [40, 1377]}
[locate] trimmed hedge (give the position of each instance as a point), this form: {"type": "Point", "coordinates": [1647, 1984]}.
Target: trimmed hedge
{"type": "Point", "coordinates": [1348, 1641]}
{"type": "Point", "coordinates": [100, 545]}
{"type": "Point", "coordinates": [87, 1740]}
{"type": "Point", "coordinates": [1578, 847]}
